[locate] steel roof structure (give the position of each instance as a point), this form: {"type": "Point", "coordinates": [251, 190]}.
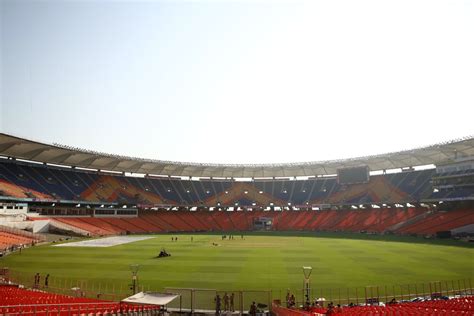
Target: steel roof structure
{"type": "Point", "coordinates": [20, 148]}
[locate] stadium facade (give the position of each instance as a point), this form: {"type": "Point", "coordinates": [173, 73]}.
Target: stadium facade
{"type": "Point", "coordinates": [393, 192]}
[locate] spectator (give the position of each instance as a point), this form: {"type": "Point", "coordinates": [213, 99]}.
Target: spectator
{"type": "Point", "coordinates": [330, 310]}
{"type": "Point", "coordinates": [288, 298]}
{"type": "Point", "coordinates": [37, 280]}
{"type": "Point", "coordinates": [253, 309]}
{"type": "Point", "coordinates": [292, 300]}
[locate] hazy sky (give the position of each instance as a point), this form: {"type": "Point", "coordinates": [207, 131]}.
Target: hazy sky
{"type": "Point", "coordinates": [238, 82]}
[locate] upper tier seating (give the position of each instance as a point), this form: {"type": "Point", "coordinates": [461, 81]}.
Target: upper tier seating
{"type": "Point", "coordinates": [22, 180]}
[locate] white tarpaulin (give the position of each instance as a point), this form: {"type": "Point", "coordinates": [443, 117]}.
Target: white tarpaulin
{"type": "Point", "coordinates": [150, 298]}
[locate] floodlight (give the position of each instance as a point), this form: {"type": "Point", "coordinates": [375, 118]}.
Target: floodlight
{"type": "Point", "coordinates": [307, 272]}
{"type": "Point", "coordinates": [306, 284]}
{"type": "Point", "coordinates": [134, 268]}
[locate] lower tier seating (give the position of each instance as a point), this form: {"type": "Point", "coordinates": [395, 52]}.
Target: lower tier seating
{"type": "Point", "coordinates": [9, 240]}
{"type": "Point", "coordinates": [405, 221]}
{"type": "Point", "coordinates": [454, 307]}
{"type": "Point", "coordinates": [18, 301]}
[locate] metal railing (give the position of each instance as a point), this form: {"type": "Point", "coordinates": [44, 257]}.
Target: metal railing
{"type": "Point", "coordinates": [194, 299]}
{"type": "Point", "coordinates": [204, 300]}
{"type": "Point", "coordinates": [385, 293]}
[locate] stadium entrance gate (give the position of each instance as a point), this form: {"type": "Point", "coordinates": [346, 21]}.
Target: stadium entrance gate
{"type": "Point", "coordinates": [262, 223]}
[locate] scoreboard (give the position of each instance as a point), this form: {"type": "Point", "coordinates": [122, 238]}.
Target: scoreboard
{"type": "Point", "coordinates": [353, 175]}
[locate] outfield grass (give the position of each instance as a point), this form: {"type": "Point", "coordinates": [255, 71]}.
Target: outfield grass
{"type": "Point", "coordinates": [259, 261]}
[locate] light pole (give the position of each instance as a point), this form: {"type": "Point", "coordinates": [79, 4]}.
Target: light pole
{"type": "Point", "coordinates": [306, 289]}
{"type": "Point", "coordinates": [134, 269]}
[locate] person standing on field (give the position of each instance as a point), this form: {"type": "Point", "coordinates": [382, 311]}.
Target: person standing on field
{"type": "Point", "coordinates": [232, 302]}
{"type": "Point", "coordinates": [217, 300]}
{"type": "Point", "coordinates": [253, 309]}
{"type": "Point", "coordinates": [226, 302]}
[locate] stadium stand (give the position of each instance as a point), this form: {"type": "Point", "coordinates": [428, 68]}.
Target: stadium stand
{"type": "Point", "coordinates": [42, 182]}
{"type": "Point", "coordinates": [401, 202]}
{"type": "Point", "coordinates": [12, 239]}
{"type": "Point", "coordinates": [454, 307]}
{"type": "Point", "coordinates": [405, 221]}
{"type": "Point", "coordinates": [19, 301]}
{"type": "Point", "coordinates": [8, 240]}
{"type": "Point", "coordinates": [440, 221]}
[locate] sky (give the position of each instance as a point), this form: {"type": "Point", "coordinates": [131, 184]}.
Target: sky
{"type": "Point", "coordinates": [238, 81]}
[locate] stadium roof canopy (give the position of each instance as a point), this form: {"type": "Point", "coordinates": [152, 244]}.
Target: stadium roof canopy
{"type": "Point", "coordinates": [20, 148]}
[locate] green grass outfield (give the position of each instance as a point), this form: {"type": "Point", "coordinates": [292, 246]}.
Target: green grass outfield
{"type": "Point", "coordinates": [259, 261]}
